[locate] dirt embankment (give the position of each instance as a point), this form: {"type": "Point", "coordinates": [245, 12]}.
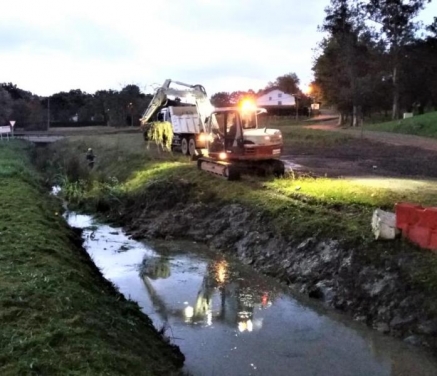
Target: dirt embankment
{"type": "Point", "coordinates": [379, 292]}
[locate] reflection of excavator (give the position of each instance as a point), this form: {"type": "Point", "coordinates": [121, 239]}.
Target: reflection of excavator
{"type": "Point", "coordinates": [236, 301]}
{"type": "Point", "coordinates": [226, 140]}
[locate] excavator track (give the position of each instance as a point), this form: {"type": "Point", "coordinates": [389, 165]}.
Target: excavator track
{"type": "Point", "coordinates": [233, 170]}
{"type": "Point", "coordinates": [222, 169]}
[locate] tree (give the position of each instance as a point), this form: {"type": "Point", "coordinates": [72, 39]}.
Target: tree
{"type": "Point", "coordinates": [418, 82]}
{"type": "Point", "coordinates": [37, 115]}
{"type": "Point", "coordinates": [288, 83]}
{"type": "Point", "coordinates": [341, 70]}
{"type": "Point", "coordinates": [221, 99]}
{"type": "Point", "coordinates": [16, 93]}
{"type": "Point", "coordinates": [132, 100]}
{"type": "Point", "coordinates": [5, 107]}
{"type": "Point", "coordinates": [432, 28]}
{"type": "Point", "coordinates": [224, 99]}
{"type": "Point", "coordinates": [396, 18]}
{"type": "Point", "coordinates": [65, 105]}
{"type": "Point", "coordinates": [21, 111]}
{"type": "Point", "coordinates": [100, 103]}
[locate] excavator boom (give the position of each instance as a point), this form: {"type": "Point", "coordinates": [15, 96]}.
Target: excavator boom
{"type": "Point", "coordinates": [194, 92]}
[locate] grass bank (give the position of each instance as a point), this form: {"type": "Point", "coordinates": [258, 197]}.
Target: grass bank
{"type": "Point", "coordinates": [128, 174]}
{"type": "Point", "coordinates": [421, 125]}
{"type": "Point", "coordinates": [297, 218]}
{"type": "Point", "coordinates": [58, 315]}
{"type": "Point", "coordinates": [126, 168]}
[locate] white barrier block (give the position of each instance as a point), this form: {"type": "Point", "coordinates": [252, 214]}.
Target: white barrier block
{"type": "Point", "coordinates": [384, 225]}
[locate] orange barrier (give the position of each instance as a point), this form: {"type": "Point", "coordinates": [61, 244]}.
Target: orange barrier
{"type": "Point", "coordinates": [418, 224]}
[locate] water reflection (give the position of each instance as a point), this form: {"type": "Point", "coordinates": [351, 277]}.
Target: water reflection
{"type": "Point", "coordinates": [226, 294]}
{"type": "Point", "coordinates": [222, 316]}
{"type": "Point", "coordinates": [156, 267]}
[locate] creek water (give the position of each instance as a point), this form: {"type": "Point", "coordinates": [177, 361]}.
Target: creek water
{"type": "Point", "coordinates": [229, 320]}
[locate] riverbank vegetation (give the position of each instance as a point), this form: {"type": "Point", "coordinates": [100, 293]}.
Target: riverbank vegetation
{"type": "Point", "coordinates": [58, 315]}
{"type": "Point", "coordinates": [127, 170]}
{"type": "Point", "coordinates": [131, 183]}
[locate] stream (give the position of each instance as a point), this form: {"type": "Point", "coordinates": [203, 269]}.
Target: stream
{"type": "Point", "coordinates": [229, 320]}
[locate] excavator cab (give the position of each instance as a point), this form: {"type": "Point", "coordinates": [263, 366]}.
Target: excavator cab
{"type": "Point", "coordinates": [225, 132]}
{"type": "Point", "coordinates": [236, 144]}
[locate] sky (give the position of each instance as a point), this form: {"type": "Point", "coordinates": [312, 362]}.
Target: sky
{"type": "Point", "coordinates": [48, 46]}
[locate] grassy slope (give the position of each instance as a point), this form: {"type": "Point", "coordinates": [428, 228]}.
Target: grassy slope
{"type": "Point", "coordinates": [302, 206]}
{"type": "Point", "coordinates": [422, 125]}
{"type": "Point", "coordinates": [58, 316]}
{"type": "Point", "coordinates": [127, 158]}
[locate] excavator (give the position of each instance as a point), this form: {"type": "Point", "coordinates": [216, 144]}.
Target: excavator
{"type": "Point", "coordinates": [220, 298]}
{"type": "Point", "coordinates": [225, 141]}
{"type": "Point", "coordinates": [186, 112]}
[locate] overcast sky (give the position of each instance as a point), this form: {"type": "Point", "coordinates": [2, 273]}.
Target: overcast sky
{"type": "Point", "coordinates": [47, 46]}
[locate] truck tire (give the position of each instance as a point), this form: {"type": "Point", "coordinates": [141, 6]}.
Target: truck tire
{"type": "Point", "coordinates": [184, 146]}
{"type": "Point", "coordinates": [192, 146]}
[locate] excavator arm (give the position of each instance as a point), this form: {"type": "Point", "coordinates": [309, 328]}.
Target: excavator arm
{"type": "Point", "coordinates": [197, 92]}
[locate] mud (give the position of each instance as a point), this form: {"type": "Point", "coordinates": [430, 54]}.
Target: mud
{"type": "Point", "coordinates": [377, 294]}
{"type": "Point", "coordinates": [365, 157]}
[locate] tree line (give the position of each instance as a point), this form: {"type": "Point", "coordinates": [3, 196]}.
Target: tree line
{"type": "Point", "coordinates": [73, 108]}
{"type": "Point", "coordinates": [376, 58]}
{"type": "Point", "coordinates": [105, 107]}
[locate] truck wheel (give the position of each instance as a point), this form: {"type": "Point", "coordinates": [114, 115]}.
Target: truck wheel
{"type": "Point", "coordinates": [192, 146]}
{"type": "Point", "coordinates": [184, 146]}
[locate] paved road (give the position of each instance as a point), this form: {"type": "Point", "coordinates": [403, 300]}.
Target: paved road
{"type": "Point", "coordinates": [41, 139]}
{"type": "Point", "coordinates": [386, 137]}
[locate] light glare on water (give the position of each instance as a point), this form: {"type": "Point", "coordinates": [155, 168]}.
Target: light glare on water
{"type": "Point", "coordinates": [229, 320]}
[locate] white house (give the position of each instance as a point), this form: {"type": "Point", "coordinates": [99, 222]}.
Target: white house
{"type": "Point", "coordinates": [275, 97]}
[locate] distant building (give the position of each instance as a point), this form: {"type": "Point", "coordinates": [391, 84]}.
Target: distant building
{"type": "Point", "coordinates": [276, 102]}
{"type": "Point", "coordinates": [275, 97]}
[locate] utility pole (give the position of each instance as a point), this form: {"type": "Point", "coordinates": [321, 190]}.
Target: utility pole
{"type": "Point", "coordinates": [131, 114]}
{"type": "Point", "coordinates": [297, 107]}
{"type": "Point", "coordinates": [48, 113]}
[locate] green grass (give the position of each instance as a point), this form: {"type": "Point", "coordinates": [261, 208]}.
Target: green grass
{"type": "Point", "coordinates": [58, 315]}
{"type": "Point", "coordinates": [280, 121]}
{"type": "Point", "coordinates": [310, 138]}
{"type": "Point", "coordinates": [301, 207]}
{"type": "Point", "coordinates": [421, 125]}
{"type": "Point", "coordinates": [125, 159]}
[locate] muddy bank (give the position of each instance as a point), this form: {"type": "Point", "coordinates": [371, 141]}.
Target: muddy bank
{"type": "Point", "coordinates": [378, 292]}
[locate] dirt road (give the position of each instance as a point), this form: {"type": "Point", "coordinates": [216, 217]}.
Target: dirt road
{"type": "Point", "coordinates": [377, 154]}
{"type": "Point", "coordinates": [385, 137]}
